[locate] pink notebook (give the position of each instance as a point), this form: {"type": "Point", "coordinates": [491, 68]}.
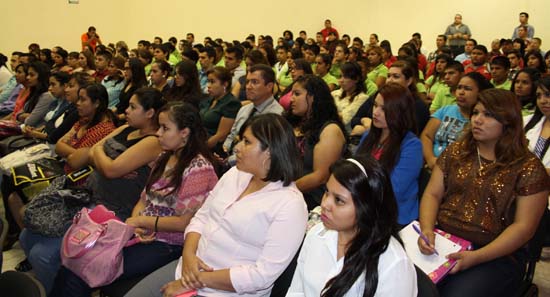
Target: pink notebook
{"type": "Point", "coordinates": [435, 266]}
{"type": "Point", "coordinates": [188, 294]}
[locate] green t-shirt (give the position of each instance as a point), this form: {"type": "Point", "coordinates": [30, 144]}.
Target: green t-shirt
{"type": "Point", "coordinates": [371, 87]}
{"type": "Point", "coordinates": [329, 79]}
{"type": "Point", "coordinates": [380, 70]}
{"type": "Point", "coordinates": [443, 97]}
{"type": "Point", "coordinates": [507, 85]}
{"type": "Point", "coordinates": [335, 70]}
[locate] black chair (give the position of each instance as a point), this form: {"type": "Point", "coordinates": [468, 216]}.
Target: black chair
{"type": "Point", "coordinates": [533, 251]}
{"type": "Point", "coordinates": [19, 284]}
{"type": "Point", "coordinates": [426, 287]}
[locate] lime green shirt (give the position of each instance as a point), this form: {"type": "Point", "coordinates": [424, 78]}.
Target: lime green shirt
{"type": "Point", "coordinates": [371, 86]}
{"type": "Point", "coordinates": [380, 70]}
{"type": "Point", "coordinates": [329, 79]}
{"type": "Point", "coordinates": [506, 85]}
{"type": "Point", "coordinates": [443, 97]}
{"type": "Point", "coordinates": [335, 70]}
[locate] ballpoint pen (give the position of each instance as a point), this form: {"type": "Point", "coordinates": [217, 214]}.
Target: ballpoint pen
{"type": "Point", "coordinates": [424, 238]}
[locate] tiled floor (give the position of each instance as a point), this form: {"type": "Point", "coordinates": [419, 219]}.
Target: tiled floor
{"type": "Point", "coordinates": [542, 273]}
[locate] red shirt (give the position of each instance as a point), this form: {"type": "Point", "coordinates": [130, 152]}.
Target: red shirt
{"type": "Point", "coordinates": [326, 31]}
{"type": "Point", "coordinates": [469, 67]}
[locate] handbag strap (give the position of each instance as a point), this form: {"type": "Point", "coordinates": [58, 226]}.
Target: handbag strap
{"type": "Point", "coordinates": [97, 234]}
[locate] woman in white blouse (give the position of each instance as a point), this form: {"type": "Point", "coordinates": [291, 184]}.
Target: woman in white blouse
{"type": "Point", "coordinates": [356, 250]}
{"type": "Point", "coordinates": [537, 125]}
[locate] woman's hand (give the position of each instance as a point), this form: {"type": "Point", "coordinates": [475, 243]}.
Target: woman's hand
{"type": "Point", "coordinates": [174, 288]}
{"type": "Point", "coordinates": [464, 260]}
{"type": "Point", "coordinates": [423, 246]}
{"type": "Point", "coordinates": [191, 268]}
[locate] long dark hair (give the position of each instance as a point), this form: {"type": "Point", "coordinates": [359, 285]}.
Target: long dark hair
{"type": "Point", "coordinates": [184, 115]}
{"type": "Point", "coordinates": [534, 76]}
{"type": "Point", "coordinates": [322, 110]}
{"type": "Point", "coordinates": [511, 148]}
{"type": "Point", "coordinates": [191, 90]}
{"type": "Point", "coordinates": [352, 70]}
{"type": "Point", "coordinates": [98, 94]}
{"type": "Point", "coordinates": [376, 223]}
{"type": "Point", "coordinates": [400, 117]}
{"type": "Point", "coordinates": [43, 71]}
{"type": "Point", "coordinates": [543, 84]}
{"type": "Point", "coordinates": [139, 79]}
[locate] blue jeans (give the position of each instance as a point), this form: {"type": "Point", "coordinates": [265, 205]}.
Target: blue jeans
{"type": "Point", "coordinates": [43, 254]}
{"type": "Point", "coordinates": [139, 260]}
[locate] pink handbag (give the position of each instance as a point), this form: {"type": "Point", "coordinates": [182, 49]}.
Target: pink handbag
{"type": "Point", "coordinates": [92, 247]}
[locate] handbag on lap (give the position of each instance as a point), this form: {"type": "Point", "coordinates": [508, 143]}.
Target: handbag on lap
{"type": "Point", "coordinates": [92, 247]}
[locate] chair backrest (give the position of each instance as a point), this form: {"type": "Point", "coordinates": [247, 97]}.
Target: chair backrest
{"type": "Point", "coordinates": [13, 283]}
{"type": "Point", "coordinates": [426, 287]}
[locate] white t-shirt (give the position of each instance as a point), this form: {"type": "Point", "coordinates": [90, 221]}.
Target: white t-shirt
{"type": "Point", "coordinates": [317, 264]}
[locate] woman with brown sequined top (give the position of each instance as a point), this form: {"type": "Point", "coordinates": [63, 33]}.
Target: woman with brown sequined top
{"type": "Point", "coordinates": [489, 189]}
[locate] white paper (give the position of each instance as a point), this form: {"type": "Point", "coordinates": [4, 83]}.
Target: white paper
{"type": "Point", "coordinates": [428, 263]}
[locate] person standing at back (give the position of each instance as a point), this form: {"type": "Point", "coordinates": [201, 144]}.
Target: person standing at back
{"type": "Point", "coordinates": [457, 34]}
{"type": "Point", "coordinates": [523, 22]}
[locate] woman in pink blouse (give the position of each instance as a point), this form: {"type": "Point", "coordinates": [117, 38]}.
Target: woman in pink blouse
{"type": "Point", "coordinates": [249, 228]}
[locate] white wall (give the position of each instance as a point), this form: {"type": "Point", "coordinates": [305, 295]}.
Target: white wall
{"type": "Point", "coordinates": [55, 22]}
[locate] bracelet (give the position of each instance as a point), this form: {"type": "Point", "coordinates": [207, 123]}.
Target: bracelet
{"type": "Point", "coordinates": [156, 224]}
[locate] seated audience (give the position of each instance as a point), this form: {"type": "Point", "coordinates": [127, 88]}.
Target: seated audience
{"type": "Point", "coordinates": [402, 73]}
{"type": "Point", "coordinates": [160, 72]}
{"type": "Point", "coordinates": [500, 67]}
{"type": "Point", "coordinates": [298, 68]}
{"type": "Point", "coordinates": [238, 90]}
{"type": "Point", "coordinates": [537, 128]}
{"type": "Point", "coordinates": [356, 250]}
{"type": "Point", "coordinates": [352, 92]}
{"type": "Point", "coordinates": [62, 114]}
{"type": "Point", "coordinates": [447, 124]}
{"type": "Point", "coordinates": [186, 86]}
{"type": "Point", "coordinates": [218, 112]}
{"type": "Point", "coordinates": [134, 77]}
{"type": "Point", "coordinates": [488, 189]}
{"type": "Point", "coordinates": [323, 64]}
{"type": "Point", "coordinates": [179, 183]}
{"type": "Point", "coordinates": [436, 81]}
{"type": "Point", "coordinates": [95, 123]}
{"type": "Point", "coordinates": [264, 221]}
{"type": "Point", "coordinates": [86, 61]}
{"type": "Point", "coordinates": [392, 141]}
{"type": "Point", "coordinates": [320, 133]}
{"type": "Point", "coordinates": [378, 72]}
{"type": "Point", "coordinates": [478, 62]}
{"type": "Point", "coordinates": [8, 105]}
{"type": "Point", "coordinates": [260, 81]}
{"type": "Point", "coordinates": [524, 85]}
{"type": "Point", "coordinates": [114, 81]}
{"type": "Point", "coordinates": [534, 59]}
{"type": "Point", "coordinates": [446, 96]}
{"type": "Point", "coordinates": [30, 110]}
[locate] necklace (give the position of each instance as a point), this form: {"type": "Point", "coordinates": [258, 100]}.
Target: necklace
{"type": "Point", "coordinates": [481, 166]}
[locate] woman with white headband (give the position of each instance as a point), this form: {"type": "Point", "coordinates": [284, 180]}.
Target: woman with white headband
{"type": "Point", "coordinates": [356, 250]}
